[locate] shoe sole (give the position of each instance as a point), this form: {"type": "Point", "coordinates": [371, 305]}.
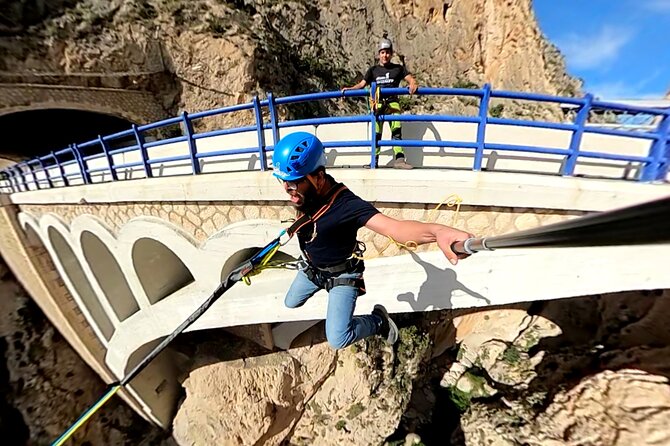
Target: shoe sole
{"type": "Point", "coordinates": [393, 328]}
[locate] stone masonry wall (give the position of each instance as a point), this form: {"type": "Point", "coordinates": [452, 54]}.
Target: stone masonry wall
{"type": "Point", "coordinates": [204, 218]}
{"type": "Point", "coordinates": [135, 106]}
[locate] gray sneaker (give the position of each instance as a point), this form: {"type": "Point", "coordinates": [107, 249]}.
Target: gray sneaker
{"type": "Point", "coordinates": [400, 163]}
{"type": "Point", "coordinates": [388, 329]}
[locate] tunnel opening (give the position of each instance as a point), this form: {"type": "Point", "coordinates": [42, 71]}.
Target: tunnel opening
{"type": "Point", "coordinates": [55, 129]}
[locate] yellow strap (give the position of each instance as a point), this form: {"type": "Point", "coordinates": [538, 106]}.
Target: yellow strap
{"type": "Point", "coordinates": [264, 264]}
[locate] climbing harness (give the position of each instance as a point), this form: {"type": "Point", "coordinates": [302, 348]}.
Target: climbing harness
{"type": "Point", "coordinates": [326, 277]}
{"type": "Point", "coordinates": [302, 221]}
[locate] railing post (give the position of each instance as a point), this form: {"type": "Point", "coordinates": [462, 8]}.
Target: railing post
{"type": "Point", "coordinates": [192, 149]}
{"type": "Point", "coordinates": [665, 164]}
{"type": "Point", "coordinates": [108, 156]}
{"type": "Point", "coordinates": [11, 179]}
{"type": "Point", "coordinates": [61, 172]}
{"type": "Point", "coordinates": [372, 100]}
{"type": "Point", "coordinates": [82, 166]}
{"type": "Point", "coordinates": [4, 177]}
{"type": "Point", "coordinates": [273, 118]}
{"type": "Point", "coordinates": [20, 184]}
{"type": "Point", "coordinates": [46, 173]}
{"type": "Point", "coordinates": [261, 133]}
{"type": "Point", "coordinates": [32, 174]}
{"type": "Point", "coordinates": [481, 128]}
{"type": "Point", "coordinates": [657, 152]}
{"type": "Point", "coordinates": [576, 140]}
{"type": "Point", "coordinates": [143, 152]}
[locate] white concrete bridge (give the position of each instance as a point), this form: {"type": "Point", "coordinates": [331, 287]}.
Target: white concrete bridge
{"type": "Point", "coordinates": [116, 266]}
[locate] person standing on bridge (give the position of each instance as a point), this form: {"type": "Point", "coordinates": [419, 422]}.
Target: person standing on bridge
{"type": "Point", "coordinates": [331, 216]}
{"type": "Point", "coordinates": [388, 75]}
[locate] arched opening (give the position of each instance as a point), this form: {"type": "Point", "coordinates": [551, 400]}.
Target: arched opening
{"type": "Point", "coordinates": [80, 283]}
{"type": "Point", "coordinates": [34, 241]}
{"type": "Point", "coordinates": [55, 129]}
{"type": "Point", "coordinates": [158, 383]}
{"type": "Point", "coordinates": [160, 271]}
{"type": "Point", "coordinates": [108, 273]}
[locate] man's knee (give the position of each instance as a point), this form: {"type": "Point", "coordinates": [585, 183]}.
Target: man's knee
{"type": "Point", "coordinates": [339, 338]}
{"type": "Point", "coordinates": [292, 302]}
{"type": "Point", "coordinates": [338, 343]}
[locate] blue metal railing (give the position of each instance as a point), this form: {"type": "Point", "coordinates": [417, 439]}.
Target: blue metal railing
{"type": "Point", "coordinates": [60, 168]}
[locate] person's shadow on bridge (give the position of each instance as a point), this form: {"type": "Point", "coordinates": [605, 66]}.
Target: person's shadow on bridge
{"type": "Point", "coordinates": [438, 289]}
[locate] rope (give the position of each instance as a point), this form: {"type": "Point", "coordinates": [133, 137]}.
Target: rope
{"type": "Point", "coordinates": [238, 274]}
{"type": "Point", "coordinates": [410, 245]}
{"type": "Point", "coordinates": [374, 100]}
{"type": "Point", "coordinates": [264, 264]}
{"type": "Point", "coordinates": [86, 415]}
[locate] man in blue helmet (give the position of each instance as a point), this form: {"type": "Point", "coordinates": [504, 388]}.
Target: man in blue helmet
{"type": "Point", "coordinates": [331, 216]}
{"type": "Point", "coordinates": [388, 75]}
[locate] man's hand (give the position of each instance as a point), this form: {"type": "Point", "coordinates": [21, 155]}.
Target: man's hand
{"type": "Point", "coordinates": [413, 87]}
{"type": "Point", "coordinates": [447, 236]}
{"type": "Point", "coordinates": [404, 231]}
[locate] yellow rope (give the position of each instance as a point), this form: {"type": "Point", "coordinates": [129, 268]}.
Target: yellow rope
{"type": "Point", "coordinates": [411, 245]}
{"type": "Point", "coordinates": [264, 264]}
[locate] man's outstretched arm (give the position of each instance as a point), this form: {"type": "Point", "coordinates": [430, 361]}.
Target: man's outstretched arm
{"type": "Point", "coordinates": [404, 231]}
{"type": "Point", "coordinates": [358, 86]}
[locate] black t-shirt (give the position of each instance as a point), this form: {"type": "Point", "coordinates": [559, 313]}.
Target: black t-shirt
{"type": "Point", "coordinates": [334, 239]}
{"type": "Point", "coordinates": [387, 76]}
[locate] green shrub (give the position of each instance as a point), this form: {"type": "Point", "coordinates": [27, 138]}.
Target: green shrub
{"type": "Point", "coordinates": [460, 83]}
{"type": "Point", "coordinates": [496, 111]}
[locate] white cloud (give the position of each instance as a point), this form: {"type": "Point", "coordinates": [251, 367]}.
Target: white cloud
{"type": "Point", "coordinates": [589, 52]}
{"type": "Point", "coordinates": [627, 90]}
{"type": "Point", "coordinates": [662, 6]}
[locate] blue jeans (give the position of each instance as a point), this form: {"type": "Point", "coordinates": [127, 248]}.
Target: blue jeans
{"type": "Point", "coordinates": [342, 328]}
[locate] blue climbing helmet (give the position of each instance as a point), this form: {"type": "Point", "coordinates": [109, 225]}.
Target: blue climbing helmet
{"type": "Point", "coordinates": [297, 155]}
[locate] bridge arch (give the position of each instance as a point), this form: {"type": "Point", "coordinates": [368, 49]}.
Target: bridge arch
{"type": "Point", "coordinates": [132, 105]}
{"type": "Point", "coordinates": [150, 255]}
{"type": "Point", "coordinates": [74, 271]}
{"type": "Point", "coordinates": [109, 275]}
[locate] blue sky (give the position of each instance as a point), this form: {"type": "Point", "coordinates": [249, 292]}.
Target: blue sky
{"type": "Point", "coordinates": [620, 48]}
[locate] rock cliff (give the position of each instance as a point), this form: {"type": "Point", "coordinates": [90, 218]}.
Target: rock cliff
{"type": "Point", "coordinates": [590, 370]}
{"type": "Point", "coordinates": [221, 52]}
